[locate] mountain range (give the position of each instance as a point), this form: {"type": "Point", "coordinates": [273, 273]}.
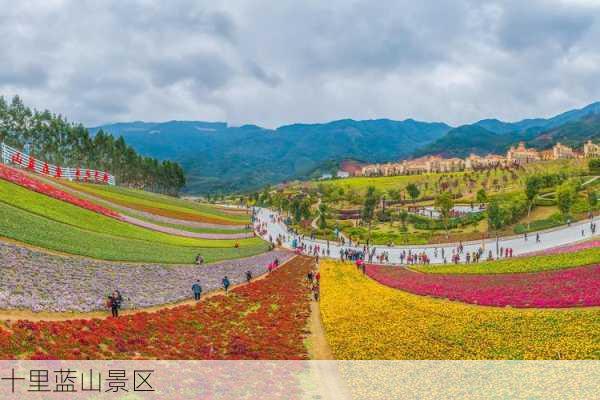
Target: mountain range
{"type": "Point", "coordinates": [494, 136]}
{"type": "Point", "coordinates": [222, 158]}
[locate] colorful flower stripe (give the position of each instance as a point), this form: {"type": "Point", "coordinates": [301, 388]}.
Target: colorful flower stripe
{"type": "Point", "coordinates": [19, 178]}
{"type": "Point", "coordinates": [265, 319]}
{"type": "Point", "coordinates": [569, 248]}
{"type": "Point", "coordinates": [549, 289]}
{"type": "Point", "coordinates": [365, 320]}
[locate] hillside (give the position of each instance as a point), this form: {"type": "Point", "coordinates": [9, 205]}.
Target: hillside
{"type": "Point", "coordinates": [221, 158]}
{"type": "Point", "coordinates": [494, 136]}
{"type": "Point", "coordinates": [572, 133]}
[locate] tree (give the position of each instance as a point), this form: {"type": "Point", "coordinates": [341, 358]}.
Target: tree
{"type": "Point", "coordinates": [413, 191]}
{"type": "Point", "coordinates": [594, 166]}
{"type": "Point", "coordinates": [395, 194]}
{"type": "Point", "coordinates": [444, 203]}
{"type": "Point", "coordinates": [368, 210]}
{"type": "Point", "coordinates": [592, 199]}
{"type": "Point", "coordinates": [565, 197]}
{"type": "Point", "coordinates": [481, 196]}
{"type": "Point", "coordinates": [322, 216]}
{"type": "Point", "coordinates": [55, 140]}
{"type": "Point", "coordinates": [496, 215]}
{"type": "Point", "coordinates": [305, 209]}
{"type": "Point", "coordinates": [532, 188]}
{"type": "Point", "coordinates": [403, 218]}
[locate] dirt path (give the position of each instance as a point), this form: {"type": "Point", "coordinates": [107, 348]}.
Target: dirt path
{"type": "Point", "coordinates": [13, 315]}
{"type": "Point", "coordinates": [324, 367]}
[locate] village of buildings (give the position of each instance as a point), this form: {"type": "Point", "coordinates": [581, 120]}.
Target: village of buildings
{"type": "Point", "coordinates": [516, 155]}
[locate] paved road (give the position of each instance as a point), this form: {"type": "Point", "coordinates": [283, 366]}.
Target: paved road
{"type": "Point", "coordinates": [548, 239]}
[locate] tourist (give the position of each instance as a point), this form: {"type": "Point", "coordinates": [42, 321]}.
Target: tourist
{"type": "Point", "coordinates": [248, 276]}
{"type": "Point", "coordinates": [197, 290]}
{"type": "Point", "coordinates": [226, 284]}
{"type": "Point", "coordinates": [199, 260]}
{"type": "Point", "coordinates": [525, 236]}
{"type": "Point", "coordinates": [309, 278]}
{"type": "Point", "coordinates": [315, 290]}
{"type": "Point", "coordinates": [114, 302]}
{"type": "Point", "coordinates": [318, 277]}
{"type": "Point", "coordinates": [537, 238]}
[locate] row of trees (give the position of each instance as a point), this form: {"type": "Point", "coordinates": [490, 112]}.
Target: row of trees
{"type": "Point", "coordinates": [52, 138]}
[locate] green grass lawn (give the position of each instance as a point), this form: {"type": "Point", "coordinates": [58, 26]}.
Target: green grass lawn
{"type": "Point", "coordinates": [27, 227]}
{"type": "Point", "coordinates": [147, 201]}
{"type": "Point", "coordinates": [517, 265]}
{"type": "Point", "coordinates": [69, 214]}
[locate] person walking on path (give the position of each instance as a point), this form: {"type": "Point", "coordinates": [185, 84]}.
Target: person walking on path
{"type": "Point", "coordinates": [114, 301]}
{"type": "Point", "coordinates": [226, 284]}
{"type": "Point", "coordinates": [315, 290]}
{"type": "Point", "coordinates": [248, 276]}
{"type": "Point", "coordinates": [309, 278]}
{"type": "Point", "coordinates": [197, 289]}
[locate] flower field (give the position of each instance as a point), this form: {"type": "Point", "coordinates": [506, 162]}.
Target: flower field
{"type": "Point", "coordinates": [158, 205]}
{"type": "Point", "coordinates": [19, 178]}
{"type": "Point", "coordinates": [537, 263]}
{"type": "Point", "coordinates": [366, 320]}
{"type": "Point", "coordinates": [75, 216]}
{"type": "Point", "coordinates": [266, 319]}
{"type": "Point", "coordinates": [550, 289]}
{"type": "Point", "coordinates": [36, 230]}
{"type": "Point", "coordinates": [43, 282]}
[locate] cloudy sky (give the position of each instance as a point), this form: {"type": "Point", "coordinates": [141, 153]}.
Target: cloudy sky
{"type": "Point", "coordinates": [279, 61]}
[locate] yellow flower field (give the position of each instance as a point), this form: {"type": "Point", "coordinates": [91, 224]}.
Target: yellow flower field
{"type": "Point", "coordinates": [365, 320]}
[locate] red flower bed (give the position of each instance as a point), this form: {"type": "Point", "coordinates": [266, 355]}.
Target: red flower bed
{"type": "Point", "coordinates": [21, 179]}
{"type": "Point", "coordinates": [550, 289]}
{"type": "Point", "coordinates": [265, 319]}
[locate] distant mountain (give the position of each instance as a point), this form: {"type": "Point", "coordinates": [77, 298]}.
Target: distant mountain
{"type": "Point", "coordinates": [572, 133]}
{"type": "Point", "coordinates": [220, 158]}
{"type": "Point", "coordinates": [495, 136]}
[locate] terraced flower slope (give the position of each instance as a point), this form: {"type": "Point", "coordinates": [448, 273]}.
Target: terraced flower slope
{"type": "Point", "coordinates": [366, 320]}
{"type": "Point", "coordinates": [158, 205]}
{"type": "Point", "coordinates": [564, 288]}
{"type": "Point", "coordinates": [39, 231]}
{"type": "Point", "coordinates": [82, 218]}
{"type": "Point", "coordinates": [263, 320]}
{"type": "Point", "coordinates": [19, 178]}
{"type": "Point", "coordinates": [36, 281]}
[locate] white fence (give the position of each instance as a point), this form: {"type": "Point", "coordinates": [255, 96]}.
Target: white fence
{"type": "Point", "coordinates": [10, 155]}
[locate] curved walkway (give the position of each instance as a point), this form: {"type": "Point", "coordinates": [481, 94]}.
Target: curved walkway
{"type": "Point", "coordinates": [575, 287]}
{"type": "Point", "coordinates": [548, 239]}
{"type": "Point", "coordinates": [38, 281]}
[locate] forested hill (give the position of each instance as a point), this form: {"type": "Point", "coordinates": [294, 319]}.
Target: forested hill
{"type": "Point", "coordinates": [52, 138]}
{"type": "Point", "coordinates": [494, 136]}
{"type": "Point", "coordinates": [221, 158]}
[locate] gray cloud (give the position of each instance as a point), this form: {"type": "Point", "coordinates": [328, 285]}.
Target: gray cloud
{"type": "Point", "coordinates": [273, 63]}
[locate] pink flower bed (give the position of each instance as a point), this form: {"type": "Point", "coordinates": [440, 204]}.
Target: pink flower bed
{"type": "Point", "coordinates": [19, 178]}
{"type": "Point", "coordinates": [568, 249]}
{"type": "Point", "coordinates": [576, 287]}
